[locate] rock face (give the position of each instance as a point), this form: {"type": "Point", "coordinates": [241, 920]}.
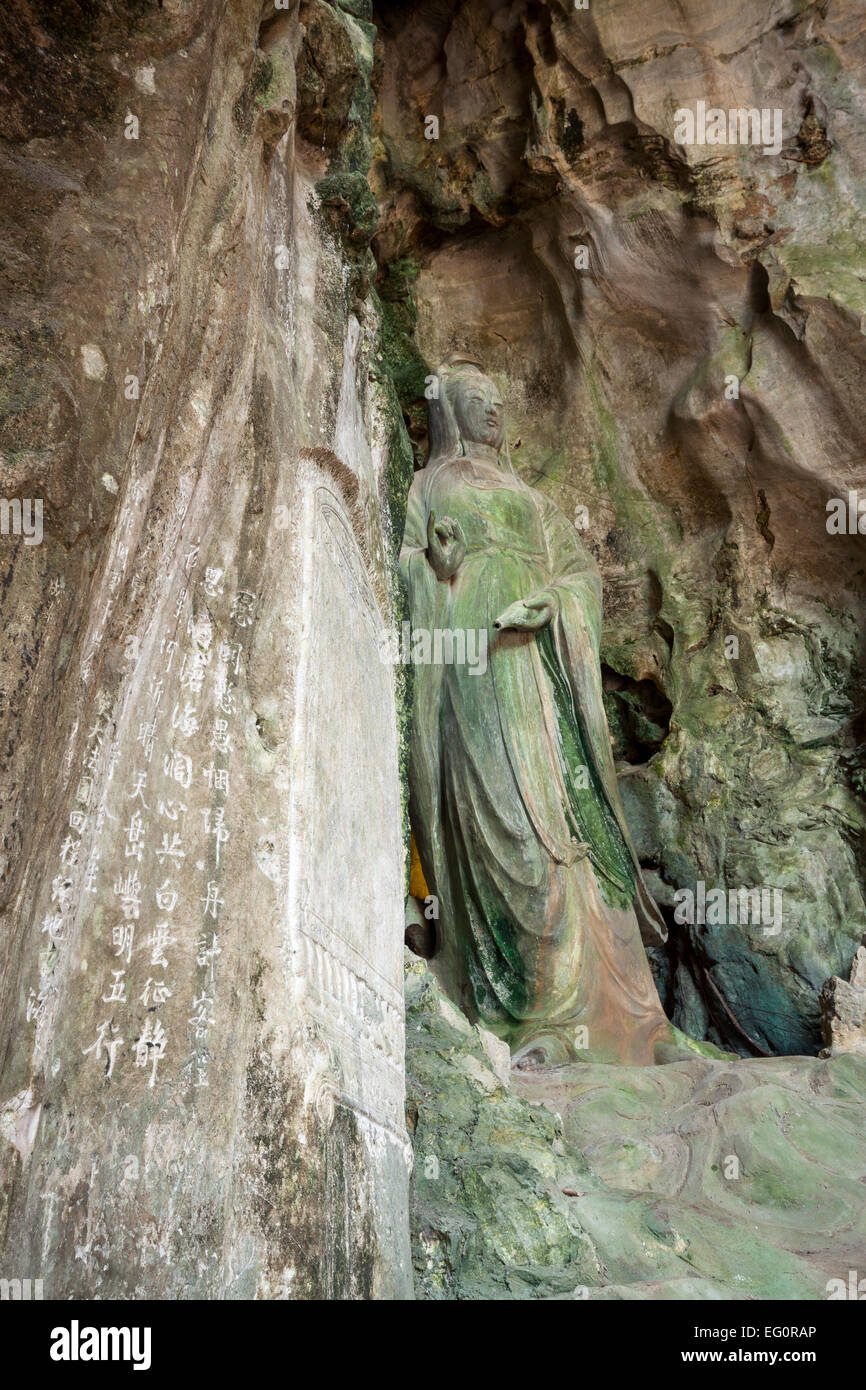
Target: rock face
{"type": "Point", "coordinates": [201, 1002]}
{"type": "Point", "coordinates": [676, 332]}
{"type": "Point", "coordinates": [843, 1010]}
{"type": "Point", "coordinates": [695, 1180]}
{"type": "Point", "coordinates": [235, 239]}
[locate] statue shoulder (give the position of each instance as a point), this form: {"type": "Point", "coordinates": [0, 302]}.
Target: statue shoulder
{"type": "Point", "coordinates": [550, 510]}
{"type": "Point", "coordinates": [422, 481]}
{"type": "Point", "coordinates": [417, 509]}
{"type": "Point", "coordinates": [417, 495]}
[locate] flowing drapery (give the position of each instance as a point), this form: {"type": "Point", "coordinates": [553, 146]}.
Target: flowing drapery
{"type": "Point", "coordinates": [513, 792]}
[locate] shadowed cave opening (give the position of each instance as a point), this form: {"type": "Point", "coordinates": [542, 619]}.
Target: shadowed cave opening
{"type": "Point", "coordinates": [638, 714]}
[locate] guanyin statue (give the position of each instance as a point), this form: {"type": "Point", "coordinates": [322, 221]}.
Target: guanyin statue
{"type": "Point", "coordinates": [514, 804]}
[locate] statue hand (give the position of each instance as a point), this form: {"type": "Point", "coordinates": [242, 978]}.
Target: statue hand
{"type": "Point", "coordinates": [528, 615]}
{"type": "Point", "coordinates": [446, 545]}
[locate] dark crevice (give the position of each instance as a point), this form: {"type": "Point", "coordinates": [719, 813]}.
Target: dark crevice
{"type": "Point", "coordinates": [639, 715]}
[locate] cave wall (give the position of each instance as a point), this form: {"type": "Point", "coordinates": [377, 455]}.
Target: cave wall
{"type": "Point", "coordinates": [705, 509]}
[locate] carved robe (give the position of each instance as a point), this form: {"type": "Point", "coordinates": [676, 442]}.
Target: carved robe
{"type": "Point", "coordinates": [513, 793]}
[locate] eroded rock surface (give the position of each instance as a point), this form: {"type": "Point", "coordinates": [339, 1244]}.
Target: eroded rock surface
{"type": "Point", "coordinates": [202, 869]}
{"type": "Point", "coordinates": [695, 1180]}
{"type": "Point", "coordinates": [733, 637]}
{"type": "Point", "coordinates": [843, 1010]}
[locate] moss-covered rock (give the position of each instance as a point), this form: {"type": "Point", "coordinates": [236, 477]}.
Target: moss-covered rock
{"type": "Point", "coordinates": [700, 1179]}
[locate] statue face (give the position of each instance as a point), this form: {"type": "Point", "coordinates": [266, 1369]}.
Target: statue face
{"type": "Point", "coordinates": [479, 411]}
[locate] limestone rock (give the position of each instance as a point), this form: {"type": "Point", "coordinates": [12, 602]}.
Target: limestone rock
{"type": "Point", "coordinates": [699, 1179]}
{"type": "Point", "coordinates": [843, 1010]}
{"type": "Point", "coordinates": [201, 880]}
{"type": "Point", "coordinates": [491, 1218]}
{"type": "Point", "coordinates": [682, 359]}
{"type": "Point", "coordinates": [230, 257]}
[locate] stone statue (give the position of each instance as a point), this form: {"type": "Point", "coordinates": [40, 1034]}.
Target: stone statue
{"type": "Point", "coordinates": [513, 793]}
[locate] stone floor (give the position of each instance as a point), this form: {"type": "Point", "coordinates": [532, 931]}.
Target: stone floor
{"type": "Point", "coordinates": [699, 1179]}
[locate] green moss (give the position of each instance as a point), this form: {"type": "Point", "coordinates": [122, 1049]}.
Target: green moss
{"type": "Point", "coordinates": [774, 1189]}
{"type": "Point", "coordinates": [345, 192]}
{"type": "Point", "coordinates": [402, 372]}
{"type": "Point", "coordinates": [261, 77]}
{"type": "Point", "coordinates": [356, 150]}
{"type": "Point", "coordinates": [257, 84]}
{"type": "Point", "coordinates": [490, 1218]}
{"type": "Point", "coordinates": [569, 129]}
{"type": "Point", "coordinates": [360, 9]}
{"type": "Point", "coordinates": [652, 531]}
{"type": "Point", "coordinates": [401, 358]}
{"type": "Point", "coordinates": [351, 207]}
{"type": "Point", "coordinates": [272, 80]}
{"type": "Point", "coordinates": [398, 479]}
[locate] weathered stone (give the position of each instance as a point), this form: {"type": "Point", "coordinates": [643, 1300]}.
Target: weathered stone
{"type": "Point", "coordinates": [193, 349]}
{"type": "Point", "coordinates": [700, 1179]}
{"type": "Point", "coordinates": [201, 997]}
{"type": "Point", "coordinates": [706, 511]}
{"type": "Point", "coordinates": [843, 1010]}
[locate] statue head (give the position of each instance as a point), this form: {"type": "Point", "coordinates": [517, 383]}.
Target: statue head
{"type": "Point", "coordinates": [467, 410]}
